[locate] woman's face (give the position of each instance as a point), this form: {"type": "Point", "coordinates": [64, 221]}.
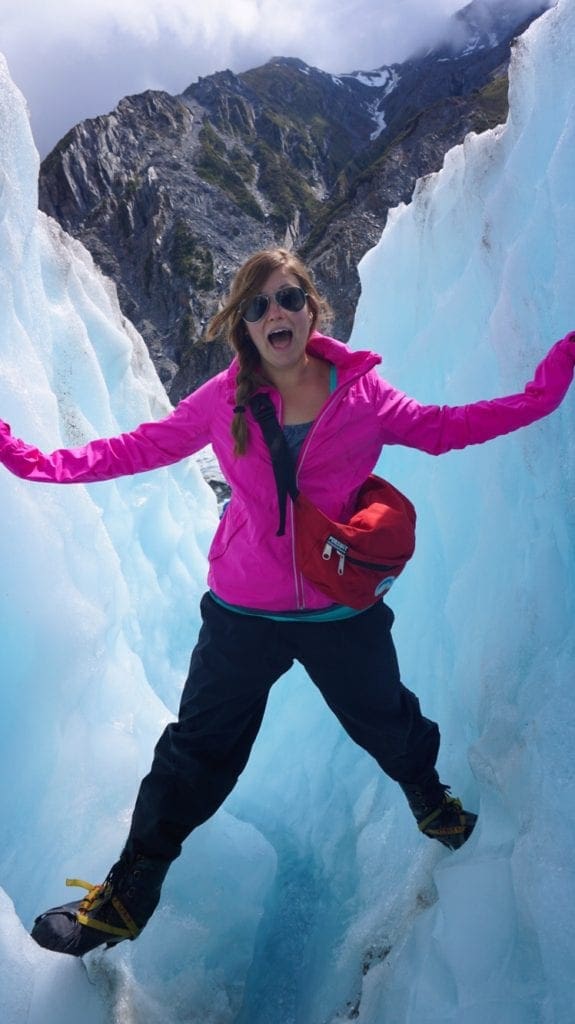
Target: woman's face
{"type": "Point", "coordinates": [281, 335]}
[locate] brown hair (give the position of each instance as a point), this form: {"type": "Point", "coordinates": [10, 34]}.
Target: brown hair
{"type": "Point", "coordinates": [248, 281]}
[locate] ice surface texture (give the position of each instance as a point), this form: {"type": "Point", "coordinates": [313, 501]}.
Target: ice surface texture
{"type": "Point", "coordinates": [310, 898]}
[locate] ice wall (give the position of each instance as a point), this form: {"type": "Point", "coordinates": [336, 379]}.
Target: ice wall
{"type": "Point", "coordinates": [99, 601]}
{"type": "Point", "coordinates": [467, 289]}
{"type": "Point", "coordinates": [311, 898]}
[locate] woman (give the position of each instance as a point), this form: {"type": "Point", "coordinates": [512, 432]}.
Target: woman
{"type": "Point", "coordinates": [260, 613]}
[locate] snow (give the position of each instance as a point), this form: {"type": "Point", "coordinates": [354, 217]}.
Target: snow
{"type": "Point", "coordinates": [383, 78]}
{"type": "Point", "coordinates": [310, 898]}
{"type": "Point", "coordinates": [380, 122]}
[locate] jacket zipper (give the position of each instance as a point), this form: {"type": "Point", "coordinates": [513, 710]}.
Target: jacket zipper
{"type": "Point", "coordinates": [300, 583]}
{"type": "Point", "coordinates": [298, 577]}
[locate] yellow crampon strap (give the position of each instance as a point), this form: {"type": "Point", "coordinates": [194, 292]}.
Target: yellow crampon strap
{"type": "Point", "coordinates": [81, 884]}
{"type": "Point", "coordinates": [452, 830]}
{"type": "Point", "coordinates": [131, 929]}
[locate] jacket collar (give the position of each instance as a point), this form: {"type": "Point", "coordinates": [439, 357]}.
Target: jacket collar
{"type": "Point", "coordinates": [346, 359]}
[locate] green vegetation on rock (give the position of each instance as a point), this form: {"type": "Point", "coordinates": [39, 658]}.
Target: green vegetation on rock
{"type": "Point", "coordinates": [492, 104]}
{"type": "Point", "coordinates": [191, 259]}
{"type": "Point", "coordinates": [216, 166]}
{"type": "Point", "coordinates": [286, 190]}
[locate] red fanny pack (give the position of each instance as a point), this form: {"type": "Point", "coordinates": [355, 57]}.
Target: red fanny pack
{"type": "Point", "coordinates": [353, 563]}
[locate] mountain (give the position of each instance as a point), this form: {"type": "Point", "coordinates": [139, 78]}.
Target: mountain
{"type": "Point", "coordinates": [171, 193]}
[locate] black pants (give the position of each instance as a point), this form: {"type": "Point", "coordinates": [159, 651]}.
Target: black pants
{"type": "Point", "coordinates": [198, 759]}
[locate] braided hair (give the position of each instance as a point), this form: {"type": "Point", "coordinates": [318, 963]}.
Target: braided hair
{"type": "Point", "coordinates": [248, 281]}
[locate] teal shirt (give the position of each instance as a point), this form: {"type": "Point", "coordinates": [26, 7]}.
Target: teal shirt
{"type": "Point", "coordinates": [331, 614]}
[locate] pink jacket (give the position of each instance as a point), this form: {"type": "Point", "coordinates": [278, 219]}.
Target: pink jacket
{"type": "Point", "coordinates": [249, 564]}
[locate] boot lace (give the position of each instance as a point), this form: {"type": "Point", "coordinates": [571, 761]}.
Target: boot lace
{"type": "Point", "coordinates": [98, 896]}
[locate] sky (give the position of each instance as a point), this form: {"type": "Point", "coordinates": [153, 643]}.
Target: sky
{"type": "Point", "coordinates": [74, 61]}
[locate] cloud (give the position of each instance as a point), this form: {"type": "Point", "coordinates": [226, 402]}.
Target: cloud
{"type": "Point", "coordinates": [73, 61]}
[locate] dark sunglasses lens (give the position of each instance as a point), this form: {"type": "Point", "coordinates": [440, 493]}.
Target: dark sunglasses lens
{"type": "Point", "coordinates": [291, 298]}
{"type": "Point", "coordinates": [256, 308]}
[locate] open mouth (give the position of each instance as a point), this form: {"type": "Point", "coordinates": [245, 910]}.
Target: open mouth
{"type": "Point", "coordinates": [280, 338]}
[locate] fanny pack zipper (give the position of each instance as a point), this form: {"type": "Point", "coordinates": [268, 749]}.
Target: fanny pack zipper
{"type": "Point", "coordinates": [333, 544]}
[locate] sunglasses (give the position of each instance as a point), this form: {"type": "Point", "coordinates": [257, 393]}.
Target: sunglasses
{"type": "Point", "coordinates": [290, 298]}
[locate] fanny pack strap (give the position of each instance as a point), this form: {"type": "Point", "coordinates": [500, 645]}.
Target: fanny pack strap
{"type": "Point", "coordinates": [263, 411]}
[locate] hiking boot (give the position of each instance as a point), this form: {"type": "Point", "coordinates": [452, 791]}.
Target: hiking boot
{"type": "Point", "coordinates": [117, 909]}
{"type": "Point", "coordinates": [438, 814]}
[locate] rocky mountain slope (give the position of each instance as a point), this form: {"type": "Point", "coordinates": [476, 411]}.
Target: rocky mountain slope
{"type": "Point", "coordinates": [171, 193]}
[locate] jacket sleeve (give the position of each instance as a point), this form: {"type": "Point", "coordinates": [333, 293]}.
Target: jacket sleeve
{"type": "Point", "coordinates": [151, 445]}
{"type": "Point", "coordinates": [437, 429]}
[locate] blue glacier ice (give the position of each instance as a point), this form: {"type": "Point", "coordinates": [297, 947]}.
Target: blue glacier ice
{"type": "Point", "coordinates": [310, 898]}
